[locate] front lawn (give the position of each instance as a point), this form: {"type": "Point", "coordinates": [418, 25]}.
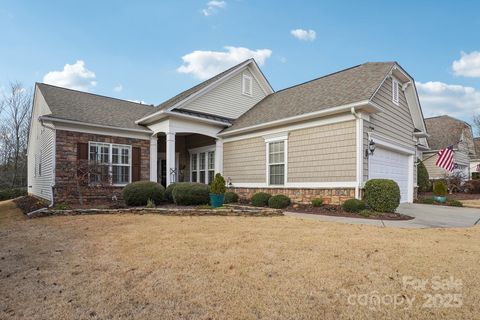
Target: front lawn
{"type": "Point", "coordinates": [169, 267]}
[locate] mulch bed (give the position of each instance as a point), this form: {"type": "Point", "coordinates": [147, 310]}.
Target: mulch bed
{"type": "Point", "coordinates": [28, 204]}
{"type": "Point", "coordinates": [337, 211]}
{"type": "Point", "coordinates": [453, 196]}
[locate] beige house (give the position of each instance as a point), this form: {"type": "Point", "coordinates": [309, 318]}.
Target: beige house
{"type": "Point", "coordinates": [445, 131]}
{"type": "Point", "coordinates": [325, 137]}
{"type": "Point", "coordinates": [475, 160]}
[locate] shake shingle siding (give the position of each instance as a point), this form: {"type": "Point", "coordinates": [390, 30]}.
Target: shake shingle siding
{"type": "Point", "coordinates": [244, 160]}
{"type": "Point", "coordinates": [322, 154]}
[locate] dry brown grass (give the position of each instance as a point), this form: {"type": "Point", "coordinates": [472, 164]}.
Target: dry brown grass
{"type": "Point", "coordinates": [166, 267]}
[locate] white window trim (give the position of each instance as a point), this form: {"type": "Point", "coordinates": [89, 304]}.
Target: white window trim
{"type": "Point", "coordinates": [395, 88]}
{"type": "Point", "coordinates": [247, 78]}
{"type": "Point", "coordinates": [276, 138]}
{"type": "Point", "coordinates": [110, 161]}
{"type": "Point", "coordinates": [196, 152]}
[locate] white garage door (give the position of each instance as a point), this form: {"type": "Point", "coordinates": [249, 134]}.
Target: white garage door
{"type": "Point", "coordinates": [386, 164]}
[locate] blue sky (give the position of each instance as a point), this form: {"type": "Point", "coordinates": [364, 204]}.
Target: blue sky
{"type": "Point", "coordinates": [133, 49]}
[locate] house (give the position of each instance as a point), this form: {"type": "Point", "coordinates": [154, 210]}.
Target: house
{"type": "Point", "coordinates": [475, 160]}
{"type": "Point", "coordinates": [306, 141]}
{"type": "Point", "coordinates": [445, 131]}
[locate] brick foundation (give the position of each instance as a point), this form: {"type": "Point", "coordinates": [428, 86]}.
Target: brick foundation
{"type": "Point", "coordinates": [66, 154]}
{"type": "Point", "coordinates": [300, 195]}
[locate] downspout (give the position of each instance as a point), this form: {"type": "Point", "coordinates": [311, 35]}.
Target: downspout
{"type": "Point", "coordinates": [359, 157]}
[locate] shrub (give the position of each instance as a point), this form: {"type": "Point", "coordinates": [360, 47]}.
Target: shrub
{"type": "Point", "coordinates": [423, 180]}
{"type": "Point", "coordinates": [439, 188]}
{"type": "Point", "coordinates": [382, 195]}
{"type": "Point", "coordinates": [279, 201]}
{"type": "Point", "coordinates": [426, 200]}
{"type": "Point", "coordinates": [231, 197]}
{"type": "Point", "coordinates": [260, 199]}
{"type": "Point", "coordinates": [368, 213]}
{"type": "Point", "coordinates": [168, 192]}
{"type": "Point", "coordinates": [317, 202]}
{"type": "Point", "coordinates": [137, 193]}
{"type": "Point", "coordinates": [150, 204]}
{"type": "Point", "coordinates": [473, 186]}
{"type": "Point", "coordinates": [218, 185]}
{"type": "Point", "coordinates": [353, 205]}
{"type": "Point", "coordinates": [12, 193]}
{"type": "Point", "coordinates": [191, 194]}
{"type": "Point", "coordinates": [454, 203]}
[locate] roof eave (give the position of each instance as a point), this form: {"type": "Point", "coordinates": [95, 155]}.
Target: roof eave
{"type": "Point", "coordinates": [53, 119]}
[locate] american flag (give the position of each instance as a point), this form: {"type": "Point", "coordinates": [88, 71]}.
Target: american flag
{"type": "Point", "coordinates": [445, 159]}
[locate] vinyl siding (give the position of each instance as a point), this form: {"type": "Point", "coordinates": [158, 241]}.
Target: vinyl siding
{"type": "Point", "coordinates": [41, 144]}
{"type": "Point", "coordinates": [227, 99]}
{"type": "Point", "coordinates": [244, 160]}
{"type": "Point", "coordinates": [323, 154]}
{"type": "Point", "coordinates": [460, 156]}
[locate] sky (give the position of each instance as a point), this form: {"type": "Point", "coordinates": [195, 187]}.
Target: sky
{"type": "Point", "coordinates": [149, 51]}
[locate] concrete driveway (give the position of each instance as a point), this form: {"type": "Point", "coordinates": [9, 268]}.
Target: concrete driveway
{"type": "Point", "coordinates": [426, 216]}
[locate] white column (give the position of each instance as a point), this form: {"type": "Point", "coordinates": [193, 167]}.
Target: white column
{"type": "Point", "coordinates": [219, 156]}
{"type": "Point", "coordinates": [170, 157]}
{"type": "Point", "coordinates": [153, 158]}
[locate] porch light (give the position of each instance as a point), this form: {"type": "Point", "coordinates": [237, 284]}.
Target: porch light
{"type": "Point", "coordinates": [371, 148]}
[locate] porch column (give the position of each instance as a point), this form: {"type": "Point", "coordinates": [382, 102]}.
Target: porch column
{"type": "Point", "coordinates": [153, 158]}
{"type": "Point", "coordinates": [170, 157]}
{"type": "Point", "coordinates": [219, 156]}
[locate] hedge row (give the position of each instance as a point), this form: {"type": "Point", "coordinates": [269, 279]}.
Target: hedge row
{"type": "Point", "coordinates": [12, 193]}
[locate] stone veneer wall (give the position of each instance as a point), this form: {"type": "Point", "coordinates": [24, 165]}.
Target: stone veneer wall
{"type": "Point", "coordinates": [66, 153]}
{"type": "Point", "coordinates": [300, 195]}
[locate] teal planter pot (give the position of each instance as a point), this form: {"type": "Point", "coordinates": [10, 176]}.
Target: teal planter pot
{"type": "Point", "coordinates": [216, 200]}
{"type": "Point", "coordinates": [440, 199]}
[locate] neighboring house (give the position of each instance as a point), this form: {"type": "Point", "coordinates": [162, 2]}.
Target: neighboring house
{"type": "Point", "coordinates": [306, 141]}
{"type": "Point", "coordinates": [445, 131]}
{"type": "Point", "coordinates": [475, 160]}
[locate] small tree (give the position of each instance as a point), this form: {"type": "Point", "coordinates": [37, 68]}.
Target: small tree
{"type": "Point", "coordinates": [439, 188]}
{"type": "Point", "coordinates": [218, 185]}
{"type": "Point", "coordinates": [455, 180]}
{"type": "Point", "coordinates": [423, 179]}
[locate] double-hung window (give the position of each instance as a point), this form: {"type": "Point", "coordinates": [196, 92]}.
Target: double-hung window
{"type": "Point", "coordinates": [277, 160]}
{"type": "Point", "coordinates": [194, 165]}
{"type": "Point", "coordinates": [202, 164]}
{"type": "Point", "coordinates": [202, 167]}
{"type": "Point", "coordinates": [211, 166]}
{"type": "Point", "coordinates": [109, 163]}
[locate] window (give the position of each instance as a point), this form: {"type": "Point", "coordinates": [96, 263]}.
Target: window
{"type": "Point", "coordinates": [109, 163]}
{"type": "Point", "coordinates": [194, 163]}
{"type": "Point", "coordinates": [202, 164]}
{"type": "Point", "coordinates": [247, 85]}
{"type": "Point", "coordinates": [276, 162]}
{"type": "Point", "coordinates": [395, 94]}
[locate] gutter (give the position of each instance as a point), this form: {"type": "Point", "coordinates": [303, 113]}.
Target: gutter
{"type": "Point", "coordinates": [47, 118]}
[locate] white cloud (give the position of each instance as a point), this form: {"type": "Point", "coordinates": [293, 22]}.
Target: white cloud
{"type": "Point", "coordinates": [73, 76]}
{"type": "Point", "coordinates": [468, 65]}
{"type": "Point", "coordinates": [206, 64]}
{"type": "Point", "coordinates": [438, 98]}
{"type": "Point", "coordinates": [118, 88]}
{"type": "Point", "coordinates": [305, 35]}
{"type": "Point", "coordinates": [213, 7]}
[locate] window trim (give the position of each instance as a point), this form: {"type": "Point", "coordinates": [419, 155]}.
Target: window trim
{"type": "Point", "coordinates": [395, 88]}
{"type": "Point", "coordinates": [196, 152]}
{"type": "Point", "coordinates": [276, 138]}
{"type": "Point", "coordinates": [244, 91]}
{"type": "Point", "coordinates": [110, 161]}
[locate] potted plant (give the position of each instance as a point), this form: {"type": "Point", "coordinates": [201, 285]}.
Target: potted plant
{"type": "Point", "coordinates": [217, 191]}
{"type": "Point", "coordinates": [440, 191]}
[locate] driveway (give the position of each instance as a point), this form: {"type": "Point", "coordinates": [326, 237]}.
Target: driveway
{"type": "Point", "coordinates": [426, 216]}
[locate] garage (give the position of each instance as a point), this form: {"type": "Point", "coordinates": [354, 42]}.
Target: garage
{"type": "Point", "coordinates": [389, 164]}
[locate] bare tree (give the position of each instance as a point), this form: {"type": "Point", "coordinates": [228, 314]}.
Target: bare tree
{"type": "Point", "coordinates": [14, 127]}
{"type": "Point", "coordinates": [476, 123]}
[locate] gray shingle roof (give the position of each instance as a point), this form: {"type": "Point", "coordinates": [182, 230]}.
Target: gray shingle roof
{"type": "Point", "coordinates": [86, 107]}
{"type": "Point", "coordinates": [227, 121]}
{"type": "Point", "coordinates": [445, 131]}
{"type": "Point", "coordinates": [347, 86]}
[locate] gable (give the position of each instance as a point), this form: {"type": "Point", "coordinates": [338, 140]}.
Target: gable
{"type": "Point", "coordinates": [227, 99]}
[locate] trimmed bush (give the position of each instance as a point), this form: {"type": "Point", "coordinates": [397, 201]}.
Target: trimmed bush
{"type": "Point", "coordinates": [12, 193]}
{"type": "Point", "coordinates": [231, 197]}
{"type": "Point", "coordinates": [191, 194]}
{"type": "Point", "coordinates": [218, 185]}
{"type": "Point", "coordinates": [260, 199]}
{"type": "Point", "coordinates": [137, 193]}
{"type": "Point", "coordinates": [279, 201]}
{"type": "Point", "coordinates": [423, 180]}
{"type": "Point", "coordinates": [317, 202]}
{"type": "Point", "coordinates": [454, 203]}
{"type": "Point", "coordinates": [168, 192]}
{"type": "Point", "coordinates": [440, 188]}
{"type": "Point", "coordinates": [382, 195]}
{"type": "Point", "coordinates": [353, 205]}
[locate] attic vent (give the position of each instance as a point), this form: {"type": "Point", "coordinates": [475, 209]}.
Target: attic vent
{"type": "Point", "coordinates": [395, 98]}
{"type": "Point", "coordinates": [247, 85]}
